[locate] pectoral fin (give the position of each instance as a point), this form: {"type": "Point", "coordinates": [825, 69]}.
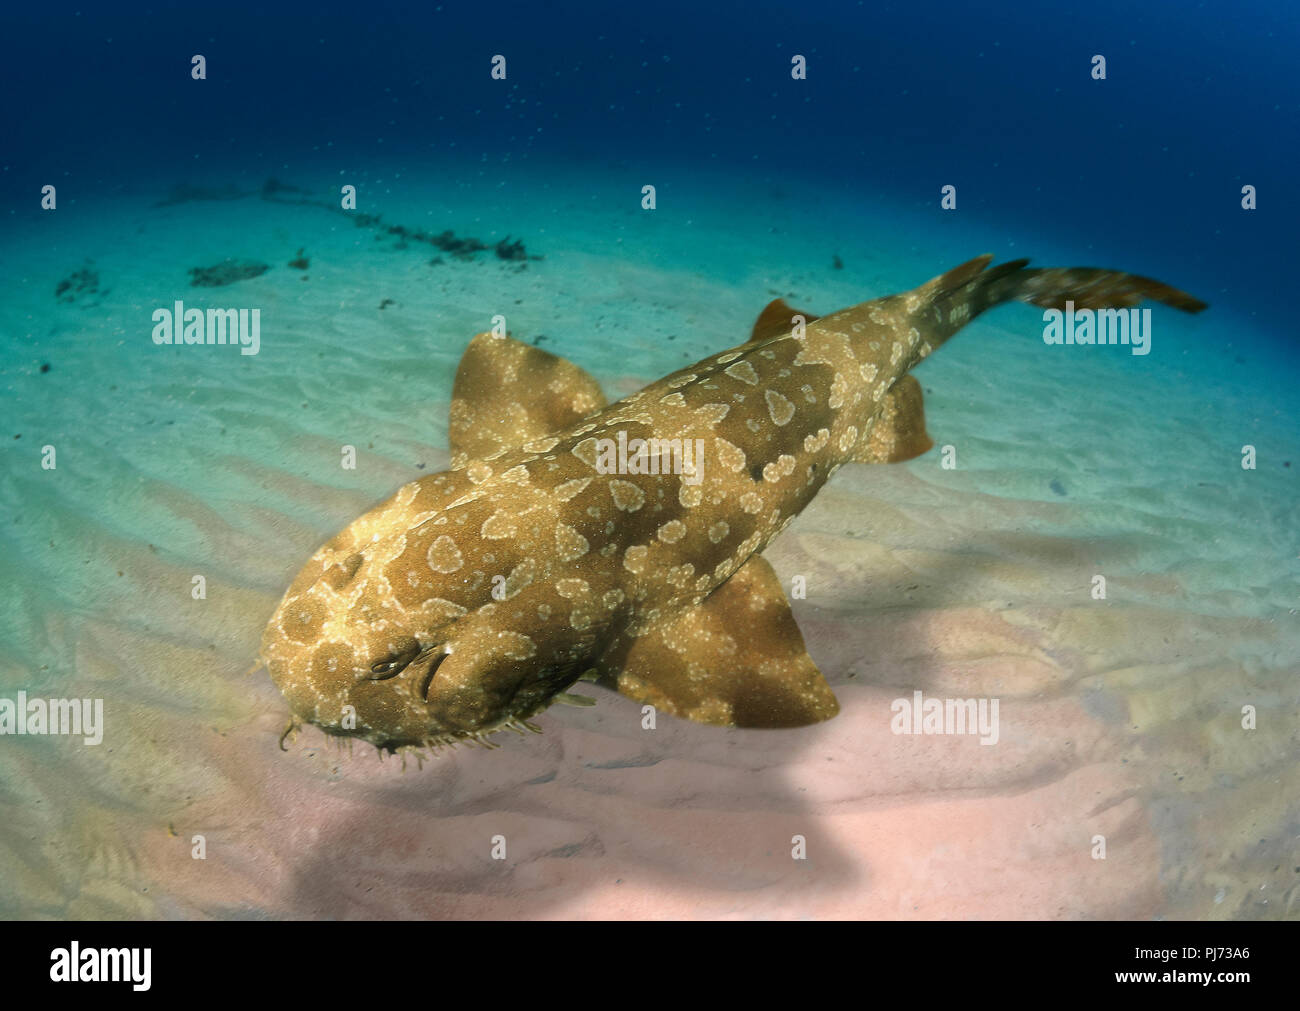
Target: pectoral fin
{"type": "Point", "coordinates": [507, 393]}
{"type": "Point", "coordinates": [899, 433]}
{"type": "Point", "coordinates": [737, 659]}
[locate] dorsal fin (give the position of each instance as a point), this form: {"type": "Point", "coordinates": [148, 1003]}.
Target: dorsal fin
{"type": "Point", "coordinates": [507, 393]}
{"type": "Point", "coordinates": [776, 319]}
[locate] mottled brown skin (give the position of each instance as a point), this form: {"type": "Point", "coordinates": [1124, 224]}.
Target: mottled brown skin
{"type": "Point", "coordinates": [650, 583]}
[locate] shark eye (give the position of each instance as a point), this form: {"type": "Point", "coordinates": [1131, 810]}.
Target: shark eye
{"type": "Point", "coordinates": [396, 662]}
{"type": "Point", "coordinates": [386, 669]}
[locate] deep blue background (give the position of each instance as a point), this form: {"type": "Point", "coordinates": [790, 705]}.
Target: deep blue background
{"type": "Point", "coordinates": [1145, 167]}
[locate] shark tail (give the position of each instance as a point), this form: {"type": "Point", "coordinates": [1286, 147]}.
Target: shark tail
{"type": "Point", "coordinates": [955, 298]}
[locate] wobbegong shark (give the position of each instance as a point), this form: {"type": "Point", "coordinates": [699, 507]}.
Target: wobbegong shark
{"type": "Point", "coordinates": [474, 598]}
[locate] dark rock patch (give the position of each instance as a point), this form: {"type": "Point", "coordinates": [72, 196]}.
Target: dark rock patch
{"type": "Point", "coordinates": [460, 248]}
{"type": "Point", "coordinates": [79, 286]}
{"type": "Point", "coordinates": [272, 186]}
{"type": "Point", "coordinates": [226, 272]}
{"type": "Point", "coordinates": [507, 250]}
{"type": "Point", "coordinates": [275, 191]}
{"type": "Point", "coordinates": [184, 193]}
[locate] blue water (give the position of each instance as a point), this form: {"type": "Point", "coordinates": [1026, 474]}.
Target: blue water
{"type": "Point", "coordinates": [1143, 169]}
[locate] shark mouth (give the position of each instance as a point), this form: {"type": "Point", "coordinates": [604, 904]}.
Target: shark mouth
{"type": "Point", "coordinates": [413, 658]}
{"type": "Point", "coordinates": [519, 722]}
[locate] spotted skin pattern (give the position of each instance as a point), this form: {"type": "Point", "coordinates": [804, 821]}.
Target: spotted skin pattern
{"type": "Point", "coordinates": [474, 598]}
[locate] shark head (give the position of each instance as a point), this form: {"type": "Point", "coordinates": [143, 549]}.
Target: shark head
{"type": "Point", "coordinates": [395, 635]}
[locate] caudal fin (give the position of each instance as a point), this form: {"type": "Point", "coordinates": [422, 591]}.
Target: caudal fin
{"type": "Point", "coordinates": [1094, 288]}
{"type": "Point", "coordinates": [966, 291]}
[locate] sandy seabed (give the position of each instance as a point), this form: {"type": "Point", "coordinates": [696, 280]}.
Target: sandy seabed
{"type": "Point", "coordinates": [1119, 718]}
